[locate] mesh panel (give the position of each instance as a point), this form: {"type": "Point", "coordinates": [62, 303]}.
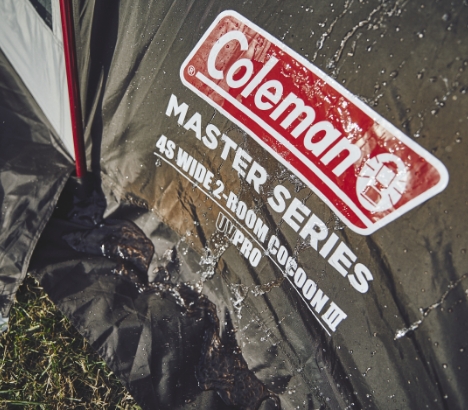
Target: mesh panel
{"type": "Point", "coordinates": [44, 9]}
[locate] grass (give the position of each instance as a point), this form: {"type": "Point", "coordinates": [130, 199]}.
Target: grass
{"type": "Point", "coordinates": [46, 364]}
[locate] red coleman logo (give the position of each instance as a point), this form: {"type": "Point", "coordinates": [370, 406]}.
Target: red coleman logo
{"type": "Point", "coordinates": [365, 169]}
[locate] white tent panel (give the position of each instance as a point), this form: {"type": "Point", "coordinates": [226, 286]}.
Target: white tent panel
{"type": "Point", "coordinates": [36, 53]}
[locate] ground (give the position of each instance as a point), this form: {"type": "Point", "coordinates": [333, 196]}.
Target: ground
{"type": "Point", "coordinates": [46, 364]}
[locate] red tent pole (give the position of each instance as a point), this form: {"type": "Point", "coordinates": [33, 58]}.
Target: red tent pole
{"type": "Point", "coordinates": [73, 86]}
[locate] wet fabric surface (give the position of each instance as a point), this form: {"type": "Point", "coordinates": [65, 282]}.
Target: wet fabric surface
{"type": "Point", "coordinates": [162, 337]}
{"type": "Point", "coordinates": [33, 170]}
{"type": "Point", "coordinates": [403, 341]}
{"type": "Point", "coordinates": [401, 345]}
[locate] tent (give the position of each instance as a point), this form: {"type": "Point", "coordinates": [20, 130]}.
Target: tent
{"type": "Point", "coordinates": [274, 209]}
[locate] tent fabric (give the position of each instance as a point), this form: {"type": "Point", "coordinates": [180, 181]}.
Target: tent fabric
{"type": "Point", "coordinates": [157, 336]}
{"type": "Point", "coordinates": [142, 264]}
{"type": "Point", "coordinates": [35, 50]}
{"type": "Point", "coordinates": [33, 170]}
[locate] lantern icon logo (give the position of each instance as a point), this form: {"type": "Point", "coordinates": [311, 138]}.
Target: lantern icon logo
{"type": "Point", "coordinates": [381, 182]}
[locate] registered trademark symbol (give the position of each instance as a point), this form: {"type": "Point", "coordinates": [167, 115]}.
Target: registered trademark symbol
{"type": "Point", "coordinates": [191, 70]}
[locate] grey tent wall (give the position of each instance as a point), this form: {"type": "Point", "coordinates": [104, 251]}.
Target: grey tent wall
{"type": "Point", "coordinates": [403, 344]}
{"type": "Point", "coordinates": [408, 62]}
{"type": "Point", "coordinates": [33, 171]}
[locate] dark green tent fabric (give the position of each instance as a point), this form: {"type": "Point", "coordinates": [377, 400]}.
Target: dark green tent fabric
{"type": "Point", "coordinates": [146, 273]}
